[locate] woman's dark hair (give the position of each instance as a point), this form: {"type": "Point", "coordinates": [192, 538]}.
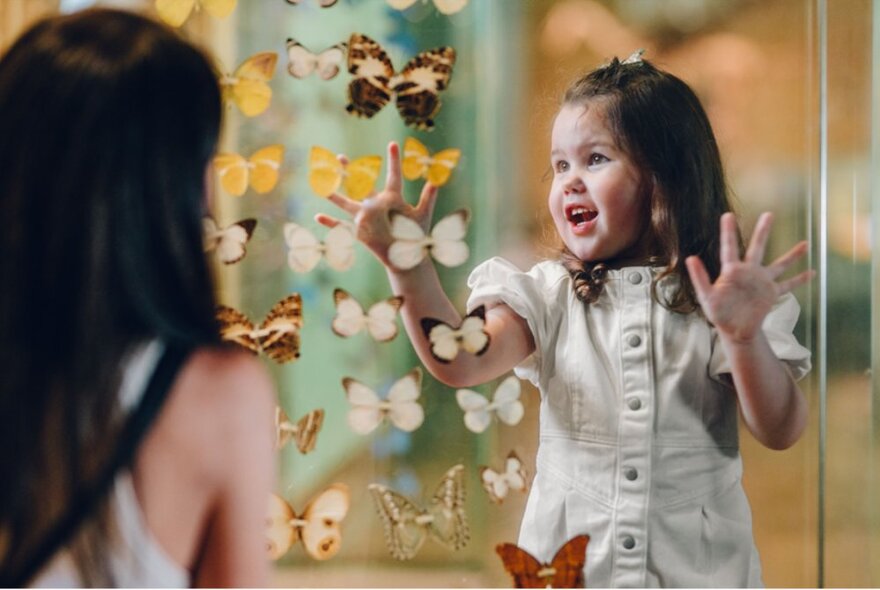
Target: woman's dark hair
{"type": "Point", "coordinates": [108, 121]}
{"type": "Point", "coordinates": [659, 122]}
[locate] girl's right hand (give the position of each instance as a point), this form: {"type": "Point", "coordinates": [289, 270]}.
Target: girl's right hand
{"type": "Point", "coordinates": [370, 216]}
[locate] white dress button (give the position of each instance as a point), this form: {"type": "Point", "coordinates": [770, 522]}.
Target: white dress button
{"type": "Point", "coordinates": [635, 278]}
{"type": "Point", "coordinates": [634, 340]}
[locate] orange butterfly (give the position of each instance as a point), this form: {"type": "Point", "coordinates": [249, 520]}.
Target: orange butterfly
{"type": "Point", "coordinates": [277, 337]}
{"type": "Point", "coordinates": [566, 570]}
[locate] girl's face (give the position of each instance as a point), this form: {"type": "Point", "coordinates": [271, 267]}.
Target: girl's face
{"type": "Point", "coordinates": [598, 199]}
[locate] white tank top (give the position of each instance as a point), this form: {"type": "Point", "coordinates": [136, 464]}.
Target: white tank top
{"type": "Point", "coordinates": [135, 557]}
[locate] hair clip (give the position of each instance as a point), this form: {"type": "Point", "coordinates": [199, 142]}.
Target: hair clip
{"type": "Point", "coordinates": [634, 58]}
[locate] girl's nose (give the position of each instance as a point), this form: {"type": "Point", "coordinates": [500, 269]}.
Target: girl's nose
{"type": "Point", "coordinates": [573, 185]}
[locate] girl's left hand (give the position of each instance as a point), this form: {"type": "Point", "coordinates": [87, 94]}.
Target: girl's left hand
{"type": "Point", "coordinates": [745, 291]}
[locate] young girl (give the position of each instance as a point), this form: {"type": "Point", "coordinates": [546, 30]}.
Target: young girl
{"type": "Point", "coordinates": [109, 123]}
{"type": "Point", "coordinates": [641, 341]}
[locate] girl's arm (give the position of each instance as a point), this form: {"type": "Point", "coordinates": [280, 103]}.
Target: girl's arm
{"type": "Point", "coordinates": [421, 289]}
{"type": "Point", "coordinates": [772, 405]}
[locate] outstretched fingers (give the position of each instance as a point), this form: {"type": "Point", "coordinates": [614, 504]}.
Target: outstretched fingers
{"type": "Point", "coordinates": [393, 182]}
{"type": "Point", "coordinates": [427, 200]}
{"type": "Point", "coordinates": [347, 204]}
{"type": "Point", "coordinates": [795, 281]}
{"type": "Point", "coordinates": [758, 243]}
{"type": "Point", "coordinates": [729, 245]}
{"type": "Point", "coordinates": [327, 220]}
{"type": "Point", "coordinates": [699, 277]}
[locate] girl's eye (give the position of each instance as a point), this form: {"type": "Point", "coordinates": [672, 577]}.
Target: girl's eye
{"type": "Point", "coordinates": [597, 159]}
{"type": "Point", "coordinates": [561, 166]}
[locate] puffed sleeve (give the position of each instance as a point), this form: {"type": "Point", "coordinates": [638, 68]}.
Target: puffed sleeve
{"type": "Point", "coordinates": [498, 281]}
{"type": "Point", "coordinates": [778, 327]}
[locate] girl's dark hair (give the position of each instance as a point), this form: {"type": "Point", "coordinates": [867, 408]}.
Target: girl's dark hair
{"type": "Point", "coordinates": [659, 122]}
{"type": "Point", "coordinates": [109, 121]}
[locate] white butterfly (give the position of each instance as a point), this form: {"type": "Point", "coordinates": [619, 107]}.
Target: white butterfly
{"type": "Point", "coordinates": [301, 62]}
{"type": "Point", "coordinates": [445, 243]}
{"type": "Point", "coordinates": [512, 478]}
{"type": "Point", "coordinates": [401, 407]}
{"type": "Point", "coordinates": [228, 241]}
{"type": "Point", "coordinates": [446, 341]}
{"type": "Point", "coordinates": [478, 410]}
{"type": "Point", "coordinates": [306, 250]}
{"type": "Point", "coordinates": [379, 320]}
{"type": "Point", "coordinates": [444, 6]}
{"type": "Point", "coordinates": [319, 525]}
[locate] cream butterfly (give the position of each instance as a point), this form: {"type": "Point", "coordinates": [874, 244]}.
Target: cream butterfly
{"type": "Point", "coordinates": [306, 250]}
{"type": "Point", "coordinates": [175, 12]}
{"type": "Point", "coordinates": [368, 410]}
{"type": "Point", "coordinates": [304, 433]}
{"type": "Point", "coordinates": [379, 321]}
{"type": "Point", "coordinates": [446, 341]}
{"type": "Point", "coordinates": [505, 404]}
{"type": "Point", "coordinates": [407, 525]}
{"type": "Point", "coordinates": [318, 526]}
{"type": "Point", "coordinates": [444, 6]}
{"type": "Point", "coordinates": [228, 241]}
{"type": "Point", "coordinates": [512, 478]}
{"type": "Point", "coordinates": [445, 242]}
{"type": "Point", "coordinates": [301, 62]}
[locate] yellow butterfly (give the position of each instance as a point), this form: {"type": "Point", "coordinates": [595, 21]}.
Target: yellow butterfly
{"type": "Point", "coordinates": [175, 12]}
{"type": "Point", "coordinates": [260, 170]}
{"type": "Point", "coordinates": [247, 87]}
{"type": "Point", "coordinates": [419, 163]}
{"type": "Point", "coordinates": [327, 173]}
{"type": "Point", "coordinates": [444, 6]}
{"type": "Point", "coordinates": [318, 526]}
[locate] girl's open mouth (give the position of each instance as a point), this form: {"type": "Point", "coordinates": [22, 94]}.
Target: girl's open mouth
{"type": "Point", "coordinates": [580, 216]}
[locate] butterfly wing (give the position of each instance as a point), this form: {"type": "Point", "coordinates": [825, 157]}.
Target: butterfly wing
{"type": "Point", "coordinates": [350, 318]}
{"type": "Point", "coordinates": [322, 533]}
{"type": "Point", "coordinates": [249, 89]}
{"type": "Point", "coordinates": [415, 159]}
{"type": "Point", "coordinates": [365, 413]}
{"type": "Point", "coordinates": [174, 12]}
{"type": "Point", "coordinates": [327, 3]}
{"type": "Point", "coordinates": [266, 162]}
{"type": "Point", "coordinates": [474, 338]}
{"type": "Point", "coordinates": [569, 563]}
{"type": "Point", "coordinates": [233, 171]}
{"type": "Point", "coordinates": [450, 6]}
{"type": "Point", "coordinates": [475, 406]}
{"type": "Point", "coordinates": [441, 166]}
{"type": "Point", "coordinates": [339, 247]}
{"type": "Point", "coordinates": [361, 175]}
{"type": "Point", "coordinates": [304, 249]}
{"type": "Point", "coordinates": [211, 233]}
{"type": "Point", "coordinates": [300, 61]}
{"type": "Point", "coordinates": [443, 339]}
{"type": "Point", "coordinates": [280, 533]}
{"type": "Point", "coordinates": [236, 327]}
{"type": "Point", "coordinates": [330, 61]}
{"type": "Point", "coordinates": [381, 319]}
{"type": "Point", "coordinates": [494, 483]}
{"type": "Point", "coordinates": [282, 324]}
{"type": "Point", "coordinates": [522, 566]}
{"type": "Point", "coordinates": [325, 171]}
{"type": "Point", "coordinates": [449, 526]}
{"type": "Point", "coordinates": [508, 408]}
{"type": "Point", "coordinates": [410, 244]}
{"type": "Point", "coordinates": [515, 472]}
{"type": "Point", "coordinates": [403, 535]}
{"type": "Point", "coordinates": [405, 412]}
{"type": "Point", "coordinates": [284, 429]}
{"type": "Point", "coordinates": [418, 84]}
{"type": "Point", "coordinates": [401, 4]}
{"type": "Point", "coordinates": [372, 71]}
{"type": "Point", "coordinates": [447, 237]}
{"type": "Point", "coordinates": [307, 428]}
{"type": "Point", "coordinates": [232, 240]}
{"type": "Point", "coordinates": [219, 8]}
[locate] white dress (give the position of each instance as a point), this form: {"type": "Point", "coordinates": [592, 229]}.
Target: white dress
{"type": "Point", "coordinates": [135, 558]}
{"type": "Point", "coordinates": [638, 434]}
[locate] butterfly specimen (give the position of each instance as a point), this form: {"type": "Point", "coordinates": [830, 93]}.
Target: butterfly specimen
{"type": "Point", "coordinates": [368, 409]}
{"type": "Point", "coordinates": [446, 341]}
{"type": "Point", "coordinates": [565, 570]}
{"type": "Point", "coordinates": [260, 170]}
{"type": "Point", "coordinates": [228, 241]}
{"type": "Point", "coordinates": [512, 478]}
{"type": "Point", "coordinates": [322, 3]}
{"type": "Point", "coordinates": [175, 12]}
{"type": "Point", "coordinates": [445, 242]}
{"type": "Point", "coordinates": [304, 433]}
{"type": "Point", "coordinates": [419, 163]}
{"type": "Point", "coordinates": [407, 525]}
{"type": "Point", "coordinates": [301, 62]}
{"type": "Point", "coordinates": [444, 6]}
{"type": "Point", "coordinates": [248, 86]}
{"type": "Point", "coordinates": [379, 320]}
{"type": "Point", "coordinates": [416, 88]}
{"type": "Point", "coordinates": [318, 526]}
{"type": "Point", "coordinates": [327, 174]}
{"type": "Point", "coordinates": [277, 337]}
{"type": "Point", "coordinates": [505, 405]}
{"type": "Point", "coordinates": [305, 250]}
